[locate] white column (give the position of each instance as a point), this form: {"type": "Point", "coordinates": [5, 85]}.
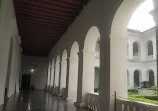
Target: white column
{"type": "Point", "coordinates": [73, 79]}
{"type": "Point", "coordinates": [155, 75]}
{"type": "Point", "coordinates": [63, 76]}
{"type": "Point", "coordinates": [130, 49]}
{"type": "Point", "coordinates": [154, 48]}
{"type": "Point", "coordinates": [52, 76]}
{"type": "Point", "coordinates": [113, 70]}
{"type": "Point", "coordinates": [155, 16]}
{"type": "Point", "coordinates": [143, 51]}
{"type": "Point", "coordinates": [67, 77]}
{"type": "Point", "coordinates": [57, 75]}
{"type": "Point", "coordinates": [88, 75]}
{"type": "Point", "coordinates": [48, 77]}
{"type": "Point", "coordinates": [131, 79]}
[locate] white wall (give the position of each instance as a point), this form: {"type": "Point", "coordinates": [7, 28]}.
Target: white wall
{"type": "Point", "coordinates": [39, 76]}
{"type": "Point", "coordinates": [8, 30]}
{"type": "Point", "coordinates": [144, 63]}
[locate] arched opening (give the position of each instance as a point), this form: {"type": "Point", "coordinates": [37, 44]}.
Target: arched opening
{"type": "Point", "coordinates": [91, 62]}
{"type": "Point", "coordinates": [97, 67]}
{"type": "Point", "coordinates": [137, 78]}
{"type": "Point", "coordinates": [151, 78]}
{"type": "Point", "coordinates": [63, 73]}
{"type": "Point", "coordinates": [57, 69]}
{"type": "Point", "coordinates": [73, 72]}
{"type": "Point", "coordinates": [136, 50]}
{"type": "Point", "coordinates": [150, 48]}
{"type": "Point", "coordinates": [118, 42]}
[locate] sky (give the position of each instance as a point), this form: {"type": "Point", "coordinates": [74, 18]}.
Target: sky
{"type": "Point", "coordinates": [141, 19]}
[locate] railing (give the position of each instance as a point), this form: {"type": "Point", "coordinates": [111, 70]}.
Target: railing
{"type": "Point", "coordinates": [127, 105]}
{"type": "Point", "coordinates": [136, 58]}
{"type": "Point", "coordinates": [150, 57]}
{"type": "Point", "coordinates": [93, 101]}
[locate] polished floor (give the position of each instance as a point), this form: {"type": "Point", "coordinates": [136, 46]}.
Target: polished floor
{"type": "Point", "coordinates": [38, 101]}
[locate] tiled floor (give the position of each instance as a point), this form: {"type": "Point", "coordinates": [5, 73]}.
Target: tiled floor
{"type": "Point", "coordinates": [38, 101]}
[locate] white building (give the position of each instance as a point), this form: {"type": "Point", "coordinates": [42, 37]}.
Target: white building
{"type": "Point", "coordinates": [141, 57]}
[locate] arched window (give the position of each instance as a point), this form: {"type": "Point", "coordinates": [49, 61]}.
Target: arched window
{"type": "Point", "coordinates": [151, 77]}
{"type": "Point", "coordinates": [150, 48]}
{"type": "Point", "coordinates": [136, 78]}
{"type": "Point", "coordinates": [135, 49]}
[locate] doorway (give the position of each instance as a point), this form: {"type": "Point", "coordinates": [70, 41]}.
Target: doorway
{"type": "Point", "coordinates": [26, 82]}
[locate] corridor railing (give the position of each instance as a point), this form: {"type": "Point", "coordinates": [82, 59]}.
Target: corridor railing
{"type": "Point", "coordinates": [136, 58]}
{"type": "Point", "coordinates": [150, 57]}
{"type": "Point", "coordinates": [121, 104]}
{"type": "Point", "coordinates": [127, 105]}
{"type": "Point", "coordinates": [93, 101]}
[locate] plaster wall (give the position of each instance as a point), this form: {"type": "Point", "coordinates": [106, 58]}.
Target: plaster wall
{"type": "Point", "coordinates": [8, 31]}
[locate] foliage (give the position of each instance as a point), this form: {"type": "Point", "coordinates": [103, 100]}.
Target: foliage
{"type": "Point", "coordinates": [143, 98]}
{"type": "Point", "coordinates": [147, 84]}
{"type": "Point", "coordinates": [155, 89]}
{"type": "Point", "coordinates": [96, 90]}
{"type": "Point", "coordinates": [135, 88]}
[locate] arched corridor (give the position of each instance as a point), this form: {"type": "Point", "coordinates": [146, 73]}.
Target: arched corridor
{"type": "Point", "coordinates": [77, 53]}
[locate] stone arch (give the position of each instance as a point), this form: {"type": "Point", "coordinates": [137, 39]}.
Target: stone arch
{"type": "Point", "coordinates": [57, 69]}
{"type": "Point", "coordinates": [73, 72]}
{"type": "Point", "coordinates": [118, 46]}
{"type": "Point", "coordinates": [88, 79]}
{"type": "Point", "coordinates": [63, 72]}
{"type": "Point", "coordinates": [150, 47]}
{"type": "Point", "coordinates": [137, 78]}
{"type": "Point", "coordinates": [136, 48]}
{"type": "Point", "coordinates": [151, 77]}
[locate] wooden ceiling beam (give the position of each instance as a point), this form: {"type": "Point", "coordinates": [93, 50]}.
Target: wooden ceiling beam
{"type": "Point", "coordinates": [45, 6]}
{"type": "Point", "coordinates": [23, 10]}
{"type": "Point", "coordinates": [35, 21]}
{"type": "Point", "coordinates": [44, 18]}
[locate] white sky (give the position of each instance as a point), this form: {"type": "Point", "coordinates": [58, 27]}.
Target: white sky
{"type": "Point", "coordinates": [141, 19]}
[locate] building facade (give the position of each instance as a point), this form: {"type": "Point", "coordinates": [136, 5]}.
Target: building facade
{"type": "Point", "coordinates": [141, 58]}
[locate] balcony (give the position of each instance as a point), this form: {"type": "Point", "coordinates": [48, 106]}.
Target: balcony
{"type": "Point", "coordinates": [136, 58]}
{"type": "Point", "coordinates": [93, 101]}
{"type": "Point", "coordinates": [121, 104]}
{"type": "Point", "coordinates": [127, 105]}
{"type": "Point", "coordinates": [150, 57]}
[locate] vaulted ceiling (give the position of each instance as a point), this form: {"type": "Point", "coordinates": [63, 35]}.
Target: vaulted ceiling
{"type": "Point", "coordinates": [41, 23]}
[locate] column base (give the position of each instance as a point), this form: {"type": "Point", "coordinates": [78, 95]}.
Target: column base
{"type": "Point", "coordinates": [79, 104]}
